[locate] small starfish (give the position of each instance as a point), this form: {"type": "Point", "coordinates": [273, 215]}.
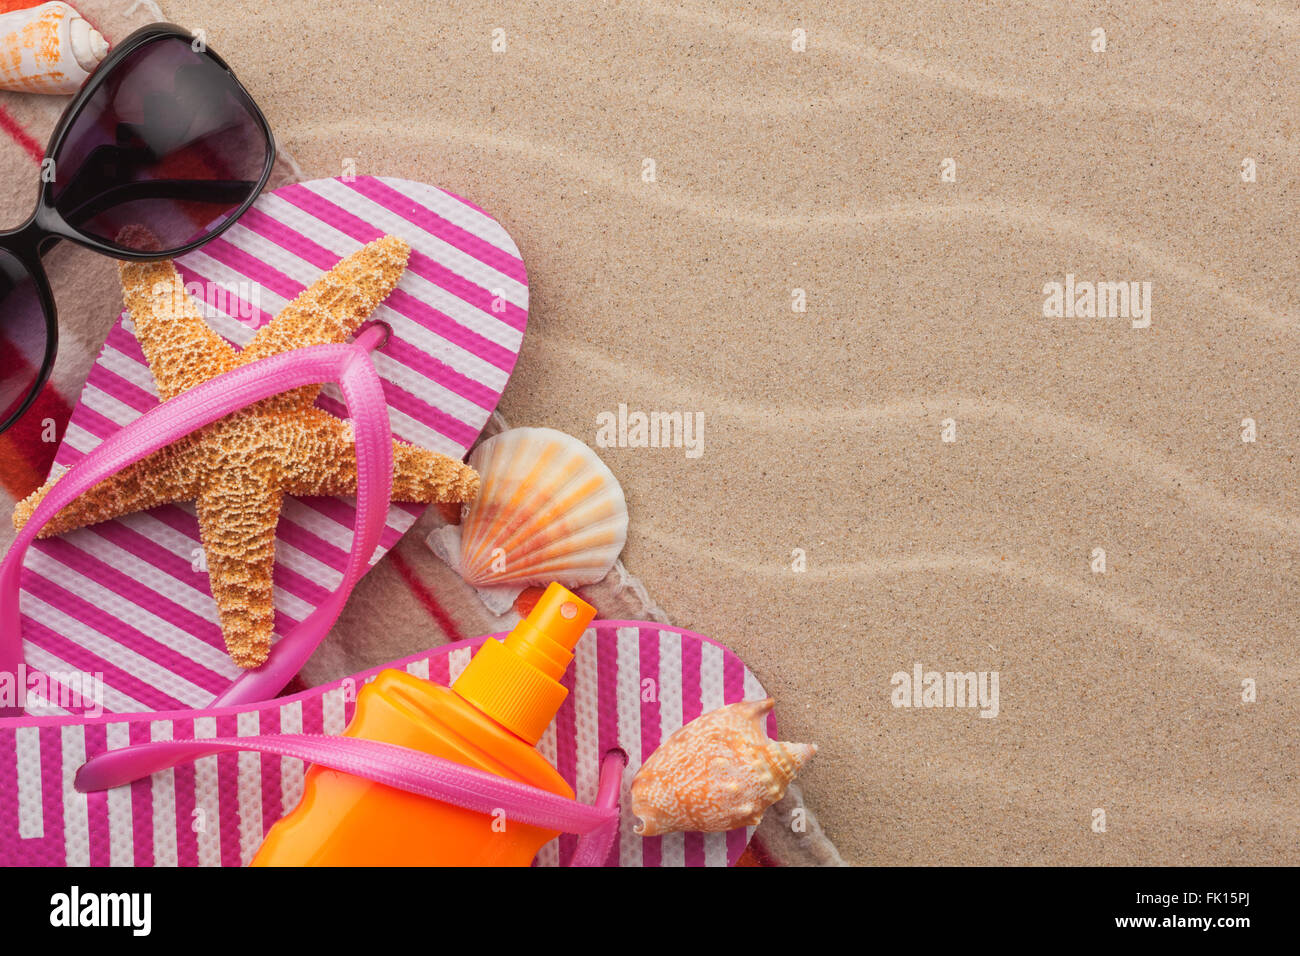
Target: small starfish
{"type": "Point", "coordinates": [238, 469]}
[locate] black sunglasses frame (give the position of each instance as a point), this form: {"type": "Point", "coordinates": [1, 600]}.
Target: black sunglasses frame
{"type": "Point", "coordinates": [46, 226]}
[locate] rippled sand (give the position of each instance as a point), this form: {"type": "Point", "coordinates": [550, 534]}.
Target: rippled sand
{"type": "Point", "coordinates": [778, 170]}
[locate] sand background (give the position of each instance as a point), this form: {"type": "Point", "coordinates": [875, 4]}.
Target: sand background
{"type": "Point", "coordinates": [821, 170]}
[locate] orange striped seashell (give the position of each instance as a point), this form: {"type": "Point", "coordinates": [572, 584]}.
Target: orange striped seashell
{"type": "Point", "coordinates": [719, 772]}
{"type": "Point", "coordinates": [548, 509]}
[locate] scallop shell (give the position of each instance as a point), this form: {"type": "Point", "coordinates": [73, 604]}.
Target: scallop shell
{"type": "Point", "coordinates": [719, 772]}
{"type": "Point", "coordinates": [48, 49]}
{"type": "Point", "coordinates": [548, 510]}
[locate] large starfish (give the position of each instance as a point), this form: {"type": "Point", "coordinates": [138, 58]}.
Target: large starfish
{"type": "Point", "coordinates": [237, 470]}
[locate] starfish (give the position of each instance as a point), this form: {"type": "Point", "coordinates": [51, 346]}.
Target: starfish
{"type": "Point", "coordinates": [237, 470]}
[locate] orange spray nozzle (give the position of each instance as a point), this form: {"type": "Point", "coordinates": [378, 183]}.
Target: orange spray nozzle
{"type": "Point", "coordinates": [516, 682]}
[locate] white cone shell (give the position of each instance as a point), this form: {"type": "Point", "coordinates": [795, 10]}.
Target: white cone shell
{"type": "Point", "coordinates": [48, 49]}
{"type": "Point", "coordinates": [548, 510]}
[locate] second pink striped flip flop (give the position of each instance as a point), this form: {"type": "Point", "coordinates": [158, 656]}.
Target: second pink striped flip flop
{"type": "Point", "coordinates": [631, 684]}
{"type": "Point", "coordinates": [128, 599]}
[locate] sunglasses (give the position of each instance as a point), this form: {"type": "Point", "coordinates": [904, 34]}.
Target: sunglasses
{"type": "Point", "coordinates": [161, 136]}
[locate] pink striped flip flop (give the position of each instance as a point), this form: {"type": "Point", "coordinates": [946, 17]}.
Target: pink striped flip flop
{"type": "Point", "coordinates": [127, 599]}
{"type": "Point", "coordinates": [216, 810]}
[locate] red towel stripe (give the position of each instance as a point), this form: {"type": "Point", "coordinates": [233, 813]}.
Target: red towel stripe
{"type": "Point", "coordinates": [425, 597]}
{"type": "Point", "coordinates": [20, 135]}
{"type": "Point", "coordinates": [26, 458]}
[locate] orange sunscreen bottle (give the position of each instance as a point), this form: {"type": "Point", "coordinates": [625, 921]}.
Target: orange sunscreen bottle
{"type": "Point", "coordinates": [490, 718]}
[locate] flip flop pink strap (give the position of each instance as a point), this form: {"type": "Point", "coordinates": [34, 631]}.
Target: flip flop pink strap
{"type": "Point", "coordinates": [593, 848]}
{"type": "Point", "coordinates": [350, 366]}
{"type": "Point", "coordinates": [399, 767]}
{"type": "Point", "coordinates": [364, 395]}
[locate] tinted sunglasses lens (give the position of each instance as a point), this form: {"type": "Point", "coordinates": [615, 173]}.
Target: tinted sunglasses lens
{"type": "Point", "coordinates": [168, 142]}
{"type": "Point", "coordinates": [23, 339]}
